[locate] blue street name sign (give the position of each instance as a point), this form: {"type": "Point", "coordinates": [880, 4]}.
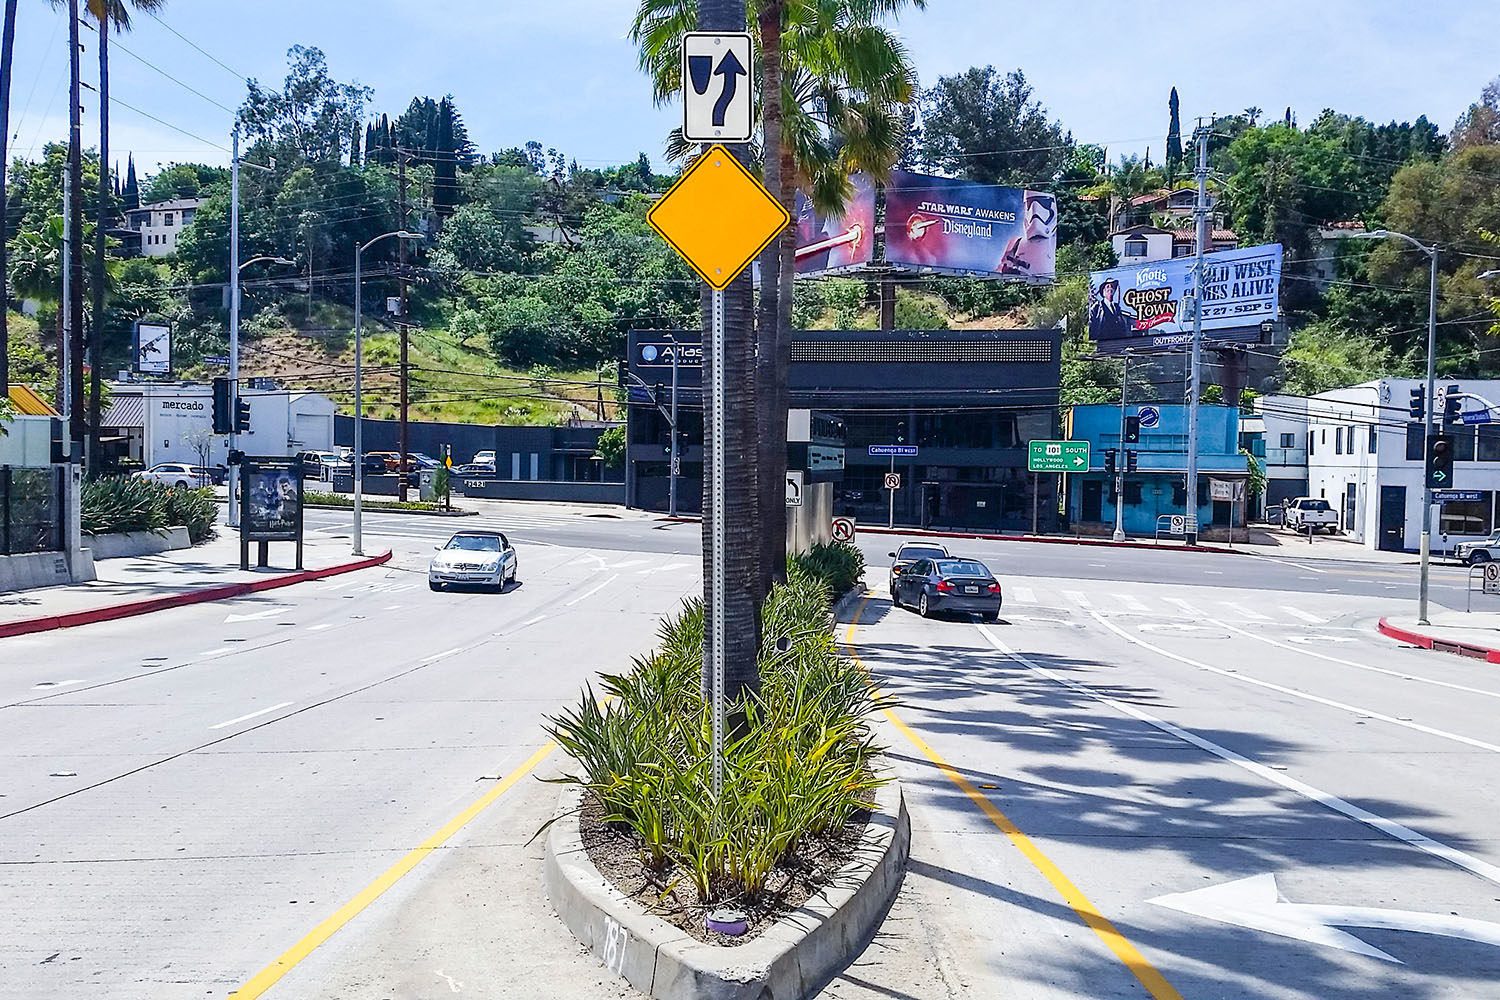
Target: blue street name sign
{"type": "Point", "coordinates": [1456, 496]}
{"type": "Point", "coordinates": [1150, 416]}
{"type": "Point", "coordinates": [893, 449]}
{"type": "Point", "coordinates": [1476, 417]}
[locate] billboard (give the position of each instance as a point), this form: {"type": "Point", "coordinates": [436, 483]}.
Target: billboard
{"type": "Point", "coordinates": [1148, 305]}
{"type": "Point", "coordinates": [942, 224]}
{"type": "Point", "coordinates": [153, 348]}
{"type": "Point", "coordinates": [272, 493]}
{"type": "Point", "coordinates": [832, 243]}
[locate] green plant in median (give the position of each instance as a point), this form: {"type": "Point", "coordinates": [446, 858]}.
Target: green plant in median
{"type": "Point", "coordinates": [111, 504]}
{"type": "Point", "coordinates": [802, 766]}
{"type": "Point", "coordinates": [839, 564]}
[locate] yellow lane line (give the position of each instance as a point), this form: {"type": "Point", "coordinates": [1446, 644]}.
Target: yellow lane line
{"type": "Point", "coordinates": [1155, 983]}
{"type": "Point", "coordinates": [268, 977]}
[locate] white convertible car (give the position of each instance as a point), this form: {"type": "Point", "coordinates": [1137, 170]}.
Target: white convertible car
{"type": "Point", "coordinates": [473, 558]}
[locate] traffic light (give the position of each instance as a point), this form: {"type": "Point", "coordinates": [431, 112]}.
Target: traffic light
{"type": "Point", "coordinates": [241, 415]}
{"type": "Point", "coordinates": [682, 443]}
{"type": "Point", "coordinates": [1452, 406]}
{"type": "Point", "coordinates": [1132, 430]}
{"type": "Point", "coordinates": [1418, 405]}
{"type": "Point", "coordinates": [1440, 462]}
{"type": "Point", "coordinates": [221, 406]}
{"type": "Point", "coordinates": [901, 432]}
{"type": "Point", "coordinates": [1109, 460]}
{"type": "Point", "coordinates": [1131, 457]}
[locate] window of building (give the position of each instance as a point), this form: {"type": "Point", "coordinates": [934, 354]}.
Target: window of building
{"type": "Point", "coordinates": [1182, 250]}
{"type": "Point", "coordinates": [1470, 517]}
{"type": "Point", "coordinates": [168, 219]}
{"type": "Point", "coordinates": [1338, 440]}
{"type": "Point", "coordinates": [1372, 439]}
{"type": "Point", "coordinates": [1489, 443]}
{"type": "Point", "coordinates": [1324, 437]}
{"type": "Point", "coordinates": [1463, 444]}
{"type": "Point", "coordinates": [1415, 439]}
{"type": "Point", "coordinates": [1135, 248]}
{"type": "Point", "coordinates": [1349, 437]}
{"type": "Point", "coordinates": [1311, 436]}
{"type": "Point", "coordinates": [1289, 440]}
{"type": "Point", "coordinates": [1132, 494]}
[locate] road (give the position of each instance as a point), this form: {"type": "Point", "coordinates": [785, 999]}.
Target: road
{"type": "Point", "coordinates": [1163, 774]}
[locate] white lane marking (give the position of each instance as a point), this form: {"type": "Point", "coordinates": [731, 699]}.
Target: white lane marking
{"type": "Point", "coordinates": [1485, 870]}
{"type": "Point", "coordinates": [56, 684]}
{"type": "Point", "coordinates": [1245, 612]}
{"type": "Point", "coordinates": [338, 585]}
{"type": "Point", "coordinates": [1307, 640]}
{"type": "Point", "coordinates": [1131, 603]}
{"type": "Point", "coordinates": [1187, 608]}
{"type": "Point", "coordinates": [1023, 595]}
{"type": "Point", "coordinates": [591, 593]}
{"type": "Point", "coordinates": [1256, 903]}
{"type": "Point", "coordinates": [1283, 689]}
{"type": "Point", "coordinates": [1363, 666]}
{"type": "Point", "coordinates": [319, 628]}
{"type": "Point", "coordinates": [393, 607]}
{"type": "Point", "coordinates": [257, 615]}
{"type": "Point", "coordinates": [250, 716]}
{"type": "Point", "coordinates": [1214, 572]}
{"type": "Point", "coordinates": [533, 621]}
{"type": "Point", "coordinates": [216, 652]}
{"type": "Point", "coordinates": [439, 656]}
{"type": "Point", "coordinates": [1077, 598]}
{"type": "Point", "coordinates": [1299, 613]}
{"type": "Point", "coordinates": [1294, 565]}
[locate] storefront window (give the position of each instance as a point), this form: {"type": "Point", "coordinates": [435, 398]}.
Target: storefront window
{"type": "Point", "coordinates": [1470, 517]}
{"type": "Point", "coordinates": [1489, 443]}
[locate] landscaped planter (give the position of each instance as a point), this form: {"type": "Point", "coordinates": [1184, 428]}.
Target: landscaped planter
{"type": "Point", "coordinates": [791, 959]}
{"type": "Point", "coordinates": [116, 544]}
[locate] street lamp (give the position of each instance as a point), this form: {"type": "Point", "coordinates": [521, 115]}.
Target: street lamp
{"type": "Point", "coordinates": [359, 410]}
{"type": "Point", "coordinates": [234, 366]}
{"type": "Point", "coordinates": [1432, 257]}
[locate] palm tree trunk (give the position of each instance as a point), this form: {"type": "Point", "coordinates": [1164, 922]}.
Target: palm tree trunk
{"type": "Point", "coordinates": [741, 638]}
{"type": "Point", "coordinates": [96, 334]}
{"type": "Point", "coordinates": [75, 184]}
{"type": "Point", "coordinates": [7, 51]}
{"type": "Point", "coordinates": [771, 411]}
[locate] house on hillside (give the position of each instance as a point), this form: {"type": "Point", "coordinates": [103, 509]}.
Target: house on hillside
{"type": "Point", "coordinates": [160, 223]}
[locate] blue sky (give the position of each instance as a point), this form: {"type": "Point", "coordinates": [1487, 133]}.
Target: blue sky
{"type": "Point", "coordinates": [562, 71]}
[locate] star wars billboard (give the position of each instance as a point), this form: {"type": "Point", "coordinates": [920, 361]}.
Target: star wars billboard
{"type": "Point", "coordinates": [958, 227]}
{"type": "Point", "coordinates": [1150, 305]}
{"type": "Point", "coordinates": [828, 244]}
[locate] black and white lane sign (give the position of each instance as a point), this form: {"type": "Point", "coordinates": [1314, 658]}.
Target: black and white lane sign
{"type": "Point", "coordinates": [794, 488]}
{"type": "Point", "coordinates": [716, 104]}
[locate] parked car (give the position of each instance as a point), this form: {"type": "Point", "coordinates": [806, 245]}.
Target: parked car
{"type": "Point", "coordinates": [934, 585]}
{"type": "Point", "coordinates": [1487, 550]}
{"type": "Point", "coordinates": [313, 462]}
{"type": "Point", "coordinates": [474, 469]}
{"type": "Point", "coordinates": [485, 457]}
{"type": "Point", "coordinates": [481, 558]}
{"type": "Point", "coordinates": [1302, 513]}
{"type": "Point", "coordinates": [909, 553]}
{"type": "Point", "coordinates": [388, 460]}
{"type": "Point", "coordinates": [178, 474]}
{"type": "Point", "coordinates": [417, 460]}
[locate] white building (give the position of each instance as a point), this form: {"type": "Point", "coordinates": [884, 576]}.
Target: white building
{"type": "Point", "coordinates": [160, 223]}
{"type": "Point", "coordinates": [1284, 450]}
{"type": "Point", "coordinates": [1366, 457]}
{"type": "Point", "coordinates": [154, 422]}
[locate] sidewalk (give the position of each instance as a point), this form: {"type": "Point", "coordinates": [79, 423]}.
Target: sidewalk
{"type": "Point", "coordinates": [1269, 541]}
{"type": "Point", "coordinates": [1475, 635]}
{"type": "Point", "coordinates": [142, 584]}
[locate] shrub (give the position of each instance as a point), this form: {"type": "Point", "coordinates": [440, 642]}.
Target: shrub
{"type": "Point", "coordinates": [112, 504]}
{"type": "Point", "coordinates": [839, 566]}
{"type": "Point", "coordinates": [802, 765]}
{"type": "Point", "coordinates": [195, 508]}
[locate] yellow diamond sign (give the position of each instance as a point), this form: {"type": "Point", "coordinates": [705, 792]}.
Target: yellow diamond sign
{"type": "Point", "coordinates": [718, 217]}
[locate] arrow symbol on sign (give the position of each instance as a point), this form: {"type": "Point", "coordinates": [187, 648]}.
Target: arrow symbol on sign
{"type": "Point", "coordinates": [1078, 461]}
{"type": "Point", "coordinates": [731, 70]}
{"type": "Point", "coordinates": [1255, 903]}
{"type": "Point", "coordinates": [269, 612]}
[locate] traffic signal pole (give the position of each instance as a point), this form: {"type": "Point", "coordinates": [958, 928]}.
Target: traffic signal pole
{"type": "Point", "coordinates": [1119, 535]}
{"type": "Point", "coordinates": [234, 326]}
{"type": "Point", "coordinates": [1426, 553]}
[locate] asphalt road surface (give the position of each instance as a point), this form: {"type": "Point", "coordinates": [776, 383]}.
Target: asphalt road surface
{"type": "Point", "coordinates": [1164, 774]}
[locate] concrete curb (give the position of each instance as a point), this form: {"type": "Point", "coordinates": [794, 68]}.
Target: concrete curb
{"type": "Point", "coordinates": [130, 610]}
{"type": "Point", "coordinates": [789, 961]}
{"type": "Point", "coordinates": [1466, 649]}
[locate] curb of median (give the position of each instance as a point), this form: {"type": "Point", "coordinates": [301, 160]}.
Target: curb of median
{"type": "Point", "coordinates": [132, 609]}
{"type": "Point", "coordinates": [790, 960]}
{"type": "Point", "coordinates": [1466, 649]}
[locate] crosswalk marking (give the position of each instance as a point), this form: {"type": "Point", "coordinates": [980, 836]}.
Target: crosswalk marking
{"type": "Point", "coordinates": [1299, 613]}
{"type": "Point", "coordinates": [1245, 612]}
{"type": "Point", "coordinates": [1077, 598]}
{"type": "Point", "coordinates": [1185, 606]}
{"type": "Point", "coordinates": [1130, 603]}
{"type": "Point", "coordinates": [1023, 595]}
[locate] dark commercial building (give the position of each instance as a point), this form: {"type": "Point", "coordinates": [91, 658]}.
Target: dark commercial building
{"type": "Point", "coordinates": [967, 400]}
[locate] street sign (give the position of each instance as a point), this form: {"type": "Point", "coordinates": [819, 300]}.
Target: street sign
{"type": "Point", "coordinates": [794, 487]}
{"type": "Point", "coordinates": [902, 450]}
{"type": "Point", "coordinates": [1476, 417]}
{"type": "Point", "coordinates": [1150, 416]}
{"type": "Point", "coordinates": [718, 217]}
{"type": "Point", "coordinates": [1492, 578]}
{"type": "Point", "coordinates": [1178, 524]}
{"type": "Point", "coordinates": [716, 91]}
{"type": "Point", "coordinates": [843, 530]}
{"type": "Point", "coordinates": [893, 480]}
{"type": "Point", "coordinates": [1057, 456]}
{"type": "Point", "coordinates": [1457, 496]}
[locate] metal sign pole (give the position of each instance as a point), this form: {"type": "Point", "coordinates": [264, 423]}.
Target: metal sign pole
{"type": "Point", "coordinates": [718, 513]}
{"type": "Point", "coordinates": [890, 521]}
{"type": "Point", "coordinates": [676, 457]}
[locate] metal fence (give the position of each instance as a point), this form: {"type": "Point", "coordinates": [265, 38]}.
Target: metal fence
{"type": "Point", "coordinates": [30, 510]}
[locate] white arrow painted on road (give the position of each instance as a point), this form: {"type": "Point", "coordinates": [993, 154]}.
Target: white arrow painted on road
{"type": "Point", "coordinates": [1175, 627]}
{"type": "Point", "coordinates": [1255, 903]}
{"type": "Point", "coordinates": [1308, 640]}
{"type": "Point", "coordinates": [269, 612]}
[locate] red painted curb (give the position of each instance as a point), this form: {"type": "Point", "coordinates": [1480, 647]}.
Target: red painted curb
{"type": "Point", "coordinates": [1466, 649]}
{"type": "Point", "coordinates": [228, 590]}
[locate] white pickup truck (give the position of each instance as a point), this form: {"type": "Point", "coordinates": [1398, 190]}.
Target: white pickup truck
{"type": "Point", "coordinates": [1486, 550]}
{"type": "Point", "coordinates": [1302, 513]}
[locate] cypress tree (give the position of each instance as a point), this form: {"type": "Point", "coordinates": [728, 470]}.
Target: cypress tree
{"type": "Point", "coordinates": [132, 192]}
{"type": "Point", "coordinates": [445, 164]}
{"type": "Point", "coordinates": [1174, 138]}
{"type": "Point", "coordinates": [354, 159]}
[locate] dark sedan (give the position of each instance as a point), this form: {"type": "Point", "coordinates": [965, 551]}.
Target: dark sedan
{"type": "Point", "coordinates": [934, 585]}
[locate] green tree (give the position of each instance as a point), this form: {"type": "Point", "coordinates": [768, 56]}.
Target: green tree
{"type": "Point", "coordinates": [1174, 137]}
{"type": "Point", "coordinates": [611, 448]}
{"type": "Point", "coordinates": [7, 57]}
{"type": "Point", "coordinates": [989, 128]}
{"type": "Point", "coordinates": [312, 116]}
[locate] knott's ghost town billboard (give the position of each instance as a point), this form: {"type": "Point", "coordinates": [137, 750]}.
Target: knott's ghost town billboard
{"type": "Point", "coordinates": [1148, 306]}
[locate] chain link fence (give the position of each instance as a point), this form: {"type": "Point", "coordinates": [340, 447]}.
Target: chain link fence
{"type": "Point", "coordinates": [30, 510]}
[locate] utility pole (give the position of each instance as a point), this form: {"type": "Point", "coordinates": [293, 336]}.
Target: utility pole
{"type": "Point", "coordinates": [234, 324]}
{"type": "Point", "coordinates": [74, 264]}
{"type": "Point", "coordinates": [65, 335]}
{"type": "Point", "coordinates": [1200, 212]}
{"type": "Point", "coordinates": [401, 320]}
{"type": "Point", "coordinates": [96, 334]}
{"type": "Point", "coordinates": [1120, 461]}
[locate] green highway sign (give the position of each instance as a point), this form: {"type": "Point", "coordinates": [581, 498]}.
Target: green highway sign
{"type": "Point", "coordinates": [1057, 456]}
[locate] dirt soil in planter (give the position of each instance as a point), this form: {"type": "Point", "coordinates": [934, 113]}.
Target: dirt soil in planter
{"type": "Point", "coordinates": [616, 851]}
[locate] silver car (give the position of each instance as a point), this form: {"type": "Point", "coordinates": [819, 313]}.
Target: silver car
{"type": "Point", "coordinates": [473, 558]}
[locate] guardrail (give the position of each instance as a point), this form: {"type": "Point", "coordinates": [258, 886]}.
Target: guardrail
{"type": "Point", "coordinates": [1480, 571]}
